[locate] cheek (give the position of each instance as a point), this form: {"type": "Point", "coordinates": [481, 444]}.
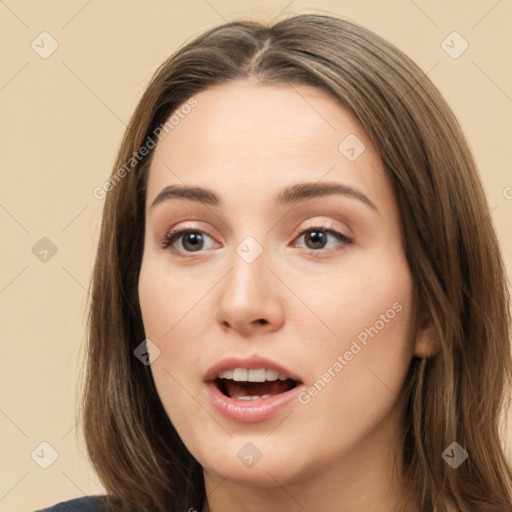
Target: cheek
{"type": "Point", "coordinates": [159, 319]}
{"type": "Point", "coordinates": [361, 368]}
{"type": "Point", "coordinates": [166, 298]}
{"type": "Point", "coordinates": [171, 305]}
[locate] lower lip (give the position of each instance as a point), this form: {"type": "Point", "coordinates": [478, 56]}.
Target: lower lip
{"type": "Point", "coordinates": [251, 411]}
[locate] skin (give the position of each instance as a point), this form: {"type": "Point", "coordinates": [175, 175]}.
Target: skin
{"type": "Point", "coordinates": [247, 141]}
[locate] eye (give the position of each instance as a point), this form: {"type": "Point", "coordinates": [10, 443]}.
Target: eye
{"type": "Point", "coordinates": [318, 237]}
{"type": "Point", "coordinates": [192, 240]}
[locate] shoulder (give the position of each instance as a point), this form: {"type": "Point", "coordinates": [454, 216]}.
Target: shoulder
{"type": "Point", "coordinates": [85, 504]}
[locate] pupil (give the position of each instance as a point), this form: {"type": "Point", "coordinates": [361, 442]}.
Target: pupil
{"type": "Point", "coordinates": [318, 238]}
{"type": "Point", "coordinates": [194, 240]}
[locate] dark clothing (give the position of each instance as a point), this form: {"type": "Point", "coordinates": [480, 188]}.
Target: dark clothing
{"type": "Point", "coordinates": [85, 504]}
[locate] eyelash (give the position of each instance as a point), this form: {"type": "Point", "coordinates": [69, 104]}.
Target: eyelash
{"type": "Point", "coordinates": [175, 234]}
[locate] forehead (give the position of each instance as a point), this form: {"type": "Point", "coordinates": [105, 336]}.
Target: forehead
{"type": "Point", "coordinates": [251, 137]}
{"type": "Point", "coordinates": [243, 112]}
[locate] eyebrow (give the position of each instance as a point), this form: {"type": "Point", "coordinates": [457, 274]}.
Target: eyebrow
{"type": "Point", "coordinates": [290, 195]}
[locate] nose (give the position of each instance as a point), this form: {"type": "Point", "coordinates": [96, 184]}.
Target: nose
{"type": "Point", "coordinates": [250, 298]}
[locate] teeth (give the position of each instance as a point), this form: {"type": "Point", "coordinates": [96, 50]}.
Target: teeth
{"type": "Point", "coordinates": [272, 375]}
{"type": "Point", "coordinates": [240, 374]}
{"type": "Point", "coordinates": [252, 375]}
{"type": "Point", "coordinates": [226, 374]}
{"type": "Point", "coordinates": [254, 397]}
{"type": "Point", "coordinates": [256, 375]}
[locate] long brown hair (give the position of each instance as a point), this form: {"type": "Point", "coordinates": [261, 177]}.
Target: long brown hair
{"type": "Point", "coordinates": [449, 240]}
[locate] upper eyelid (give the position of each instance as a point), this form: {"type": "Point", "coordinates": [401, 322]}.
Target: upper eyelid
{"type": "Point", "coordinates": [298, 231]}
{"type": "Point", "coordinates": [324, 224]}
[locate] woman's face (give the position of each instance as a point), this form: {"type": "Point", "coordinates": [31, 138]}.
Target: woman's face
{"type": "Point", "coordinates": [293, 267]}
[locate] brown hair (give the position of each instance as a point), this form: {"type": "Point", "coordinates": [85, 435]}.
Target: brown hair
{"type": "Point", "coordinates": [449, 240]}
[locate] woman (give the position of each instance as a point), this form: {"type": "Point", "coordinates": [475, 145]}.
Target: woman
{"type": "Point", "coordinates": [298, 301]}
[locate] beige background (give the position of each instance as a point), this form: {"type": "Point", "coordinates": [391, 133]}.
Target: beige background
{"type": "Point", "coordinates": [62, 121]}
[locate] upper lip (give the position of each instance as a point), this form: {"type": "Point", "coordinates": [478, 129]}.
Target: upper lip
{"type": "Point", "coordinates": [251, 362]}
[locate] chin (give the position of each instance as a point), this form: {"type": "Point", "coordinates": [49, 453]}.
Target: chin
{"type": "Point", "coordinates": [278, 464]}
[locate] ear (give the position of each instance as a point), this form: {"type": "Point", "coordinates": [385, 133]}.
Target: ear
{"type": "Point", "coordinates": [427, 342]}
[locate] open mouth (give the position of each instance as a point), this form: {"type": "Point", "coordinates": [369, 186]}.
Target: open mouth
{"type": "Point", "coordinates": [253, 384]}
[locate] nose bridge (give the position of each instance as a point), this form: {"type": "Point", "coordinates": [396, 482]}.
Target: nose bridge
{"type": "Point", "coordinates": [248, 268]}
{"type": "Point", "coordinates": [249, 293]}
